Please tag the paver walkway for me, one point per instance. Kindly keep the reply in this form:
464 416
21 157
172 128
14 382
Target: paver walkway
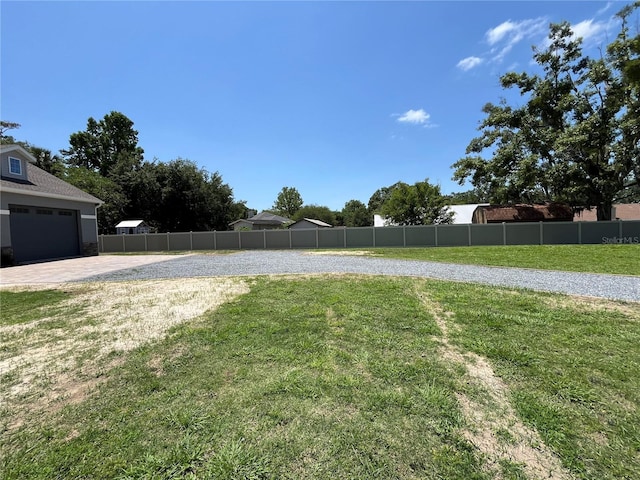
74 269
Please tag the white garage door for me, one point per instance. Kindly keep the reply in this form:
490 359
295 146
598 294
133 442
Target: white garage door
43 233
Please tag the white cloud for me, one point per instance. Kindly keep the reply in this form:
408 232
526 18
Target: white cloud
416 117
469 63
506 35
590 30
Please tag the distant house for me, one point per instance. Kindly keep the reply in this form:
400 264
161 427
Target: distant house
130 227
620 211
261 221
308 223
463 214
41 216
550 212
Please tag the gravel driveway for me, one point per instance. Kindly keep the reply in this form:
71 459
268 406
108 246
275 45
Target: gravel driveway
260 262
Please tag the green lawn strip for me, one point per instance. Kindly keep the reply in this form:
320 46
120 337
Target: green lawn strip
25 306
340 377
571 365
614 259
317 378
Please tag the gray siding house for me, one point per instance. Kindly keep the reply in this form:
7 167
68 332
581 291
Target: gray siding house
41 216
262 221
306 223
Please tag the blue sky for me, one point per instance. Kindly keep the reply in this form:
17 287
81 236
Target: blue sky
336 99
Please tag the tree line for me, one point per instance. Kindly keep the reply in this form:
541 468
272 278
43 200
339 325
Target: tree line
573 138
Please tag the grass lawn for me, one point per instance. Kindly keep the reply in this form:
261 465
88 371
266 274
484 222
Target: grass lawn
616 259
332 376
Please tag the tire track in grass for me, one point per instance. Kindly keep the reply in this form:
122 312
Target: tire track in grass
494 426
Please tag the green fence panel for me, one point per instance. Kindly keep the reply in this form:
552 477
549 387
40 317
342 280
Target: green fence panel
453 235
252 239
203 241
331 237
179 241
278 239
157 242
389 236
423 236
112 243
303 238
360 237
134 243
597 232
490 234
630 232
522 233
227 241
560 233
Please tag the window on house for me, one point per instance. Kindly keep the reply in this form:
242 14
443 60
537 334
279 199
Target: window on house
15 166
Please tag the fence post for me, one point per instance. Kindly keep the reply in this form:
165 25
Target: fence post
579 233
404 235
436 234
264 239
541 233
124 247
469 232
317 241
374 237
215 245
344 237
620 228
168 242
504 233
146 243
239 240
191 240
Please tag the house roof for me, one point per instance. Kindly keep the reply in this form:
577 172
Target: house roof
129 223
464 213
264 218
18 148
527 213
318 223
43 184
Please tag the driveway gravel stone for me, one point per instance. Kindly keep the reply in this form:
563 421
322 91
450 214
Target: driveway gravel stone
265 262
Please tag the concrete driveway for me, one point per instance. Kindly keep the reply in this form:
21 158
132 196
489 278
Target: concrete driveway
74 269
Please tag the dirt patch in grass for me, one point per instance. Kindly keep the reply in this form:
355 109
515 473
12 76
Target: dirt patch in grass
60 359
630 310
494 427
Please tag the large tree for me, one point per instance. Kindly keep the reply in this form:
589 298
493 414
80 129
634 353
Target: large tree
576 137
315 212
418 204
109 146
288 202
356 214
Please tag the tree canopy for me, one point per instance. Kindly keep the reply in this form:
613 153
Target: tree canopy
356 214
315 212
418 204
288 202
576 137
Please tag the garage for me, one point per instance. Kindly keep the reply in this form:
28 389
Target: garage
43 233
42 217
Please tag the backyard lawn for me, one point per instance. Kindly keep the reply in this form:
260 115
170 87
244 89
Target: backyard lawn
327 376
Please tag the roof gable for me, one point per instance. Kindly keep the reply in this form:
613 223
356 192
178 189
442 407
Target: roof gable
43 184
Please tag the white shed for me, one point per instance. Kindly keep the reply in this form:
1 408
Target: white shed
131 227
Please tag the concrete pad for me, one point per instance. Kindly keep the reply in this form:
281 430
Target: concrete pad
74 269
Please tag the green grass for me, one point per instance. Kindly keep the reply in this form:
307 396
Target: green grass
615 259
23 307
344 377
